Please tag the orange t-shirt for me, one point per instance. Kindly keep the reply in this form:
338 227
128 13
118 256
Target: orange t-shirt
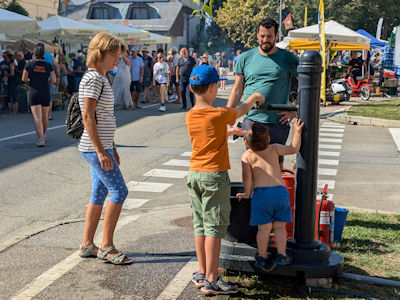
207 132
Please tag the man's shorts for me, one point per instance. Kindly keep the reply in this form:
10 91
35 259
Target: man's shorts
136 86
270 204
223 72
211 207
278 133
147 81
173 81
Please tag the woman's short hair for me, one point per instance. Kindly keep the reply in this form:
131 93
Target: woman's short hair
102 44
39 52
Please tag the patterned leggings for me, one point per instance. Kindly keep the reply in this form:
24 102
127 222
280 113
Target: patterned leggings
103 181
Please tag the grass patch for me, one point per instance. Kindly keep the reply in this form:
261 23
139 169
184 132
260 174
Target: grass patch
370 246
387 109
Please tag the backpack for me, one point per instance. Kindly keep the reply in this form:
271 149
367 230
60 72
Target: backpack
74 122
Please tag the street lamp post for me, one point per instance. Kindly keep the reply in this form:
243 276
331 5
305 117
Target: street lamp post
280 20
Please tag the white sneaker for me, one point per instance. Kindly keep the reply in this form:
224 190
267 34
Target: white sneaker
162 108
172 97
176 97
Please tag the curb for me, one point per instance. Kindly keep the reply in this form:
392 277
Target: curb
366 121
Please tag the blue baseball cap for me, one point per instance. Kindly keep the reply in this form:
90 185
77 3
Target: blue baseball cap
204 74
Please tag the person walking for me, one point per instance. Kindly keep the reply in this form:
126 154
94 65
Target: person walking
183 70
97 147
147 73
223 67
267 70
12 82
37 72
175 82
161 78
137 70
121 83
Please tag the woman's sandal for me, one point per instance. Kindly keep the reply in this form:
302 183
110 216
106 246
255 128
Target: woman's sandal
117 259
197 277
87 251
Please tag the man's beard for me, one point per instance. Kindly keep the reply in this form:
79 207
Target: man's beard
266 47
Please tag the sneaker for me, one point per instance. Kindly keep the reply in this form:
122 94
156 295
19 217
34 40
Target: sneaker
266 264
176 97
41 142
283 260
171 97
219 287
162 108
197 277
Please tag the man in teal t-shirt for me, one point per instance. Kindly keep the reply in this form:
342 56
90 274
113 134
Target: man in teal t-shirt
267 70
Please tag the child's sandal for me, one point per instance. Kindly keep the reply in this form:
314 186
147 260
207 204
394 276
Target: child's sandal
283 260
198 279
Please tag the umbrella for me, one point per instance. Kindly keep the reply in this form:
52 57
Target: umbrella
15 24
66 29
155 39
122 31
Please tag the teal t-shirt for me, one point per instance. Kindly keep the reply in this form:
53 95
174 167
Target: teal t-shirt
268 75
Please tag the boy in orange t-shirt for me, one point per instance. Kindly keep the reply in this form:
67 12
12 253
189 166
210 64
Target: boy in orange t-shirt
208 181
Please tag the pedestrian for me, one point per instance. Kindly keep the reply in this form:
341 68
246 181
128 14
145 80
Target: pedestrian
223 67
185 66
37 73
161 78
204 60
49 59
196 57
147 73
122 82
12 82
267 70
137 70
238 52
208 181
97 147
270 204
174 82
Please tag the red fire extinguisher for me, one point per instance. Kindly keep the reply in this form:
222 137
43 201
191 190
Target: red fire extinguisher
325 219
289 179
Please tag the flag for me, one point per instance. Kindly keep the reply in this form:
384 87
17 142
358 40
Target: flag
305 16
288 22
321 27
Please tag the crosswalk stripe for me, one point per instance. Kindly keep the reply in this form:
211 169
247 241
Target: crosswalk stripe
132 203
177 163
321 183
145 186
178 284
326 140
329 134
330 162
328 146
395 132
328 153
187 153
328 172
166 173
332 125
331 129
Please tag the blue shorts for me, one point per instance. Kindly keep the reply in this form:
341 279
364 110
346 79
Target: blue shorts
270 204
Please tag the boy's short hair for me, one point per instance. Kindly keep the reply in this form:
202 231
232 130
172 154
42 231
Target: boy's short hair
102 44
201 89
257 136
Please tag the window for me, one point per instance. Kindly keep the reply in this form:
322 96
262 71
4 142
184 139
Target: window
102 12
141 11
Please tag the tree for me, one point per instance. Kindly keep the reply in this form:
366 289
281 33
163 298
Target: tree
14 6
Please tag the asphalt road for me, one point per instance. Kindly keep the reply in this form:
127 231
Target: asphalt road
45 192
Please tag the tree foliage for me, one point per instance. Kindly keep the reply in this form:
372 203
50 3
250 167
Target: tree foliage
14 6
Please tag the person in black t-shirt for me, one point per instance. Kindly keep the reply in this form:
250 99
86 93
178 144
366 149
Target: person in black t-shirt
356 65
37 72
185 66
12 83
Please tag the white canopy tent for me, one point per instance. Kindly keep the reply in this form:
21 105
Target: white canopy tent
122 31
66 29
15 24
334 33
155 39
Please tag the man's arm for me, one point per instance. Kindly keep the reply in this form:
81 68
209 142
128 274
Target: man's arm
237 91
177 73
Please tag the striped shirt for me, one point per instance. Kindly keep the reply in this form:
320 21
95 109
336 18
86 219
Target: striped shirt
94 85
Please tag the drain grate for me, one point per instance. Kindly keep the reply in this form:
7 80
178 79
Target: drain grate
183 222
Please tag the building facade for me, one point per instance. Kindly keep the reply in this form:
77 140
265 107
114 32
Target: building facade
40 9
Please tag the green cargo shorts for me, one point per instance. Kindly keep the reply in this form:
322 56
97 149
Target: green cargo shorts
211 206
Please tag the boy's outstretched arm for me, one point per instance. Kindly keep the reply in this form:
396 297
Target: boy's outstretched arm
247 178
249 103
294 147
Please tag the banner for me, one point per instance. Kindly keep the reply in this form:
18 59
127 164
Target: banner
288 22
322 50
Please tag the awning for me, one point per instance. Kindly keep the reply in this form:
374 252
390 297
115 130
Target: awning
15 24
155 39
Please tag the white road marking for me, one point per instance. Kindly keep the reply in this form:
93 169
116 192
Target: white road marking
329 134
330 162
177 163
166 173
47 278
396 136
326 140
145 186
321 183
330 197
132 203
328 172
328 146
328 124
178 284
331 129
28 133
231 141
328 153
187 153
